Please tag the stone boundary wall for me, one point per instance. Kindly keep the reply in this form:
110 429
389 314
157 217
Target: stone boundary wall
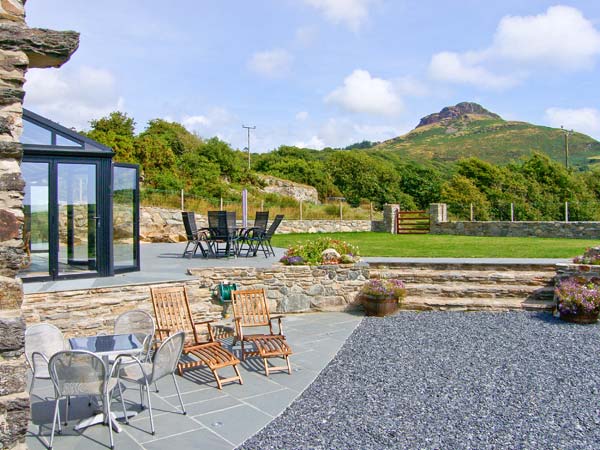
575 230
166 225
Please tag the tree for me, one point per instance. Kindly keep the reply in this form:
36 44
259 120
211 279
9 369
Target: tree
117 132
459 193
174 135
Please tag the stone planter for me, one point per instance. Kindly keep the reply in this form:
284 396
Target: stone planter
378 306
581 318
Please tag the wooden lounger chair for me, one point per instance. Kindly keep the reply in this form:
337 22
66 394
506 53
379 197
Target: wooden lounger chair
173 314
250 309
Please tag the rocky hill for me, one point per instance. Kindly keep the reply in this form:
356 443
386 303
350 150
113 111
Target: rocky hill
468 129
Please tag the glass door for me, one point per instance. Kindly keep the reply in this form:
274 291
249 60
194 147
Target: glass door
36 230
78 219
125 218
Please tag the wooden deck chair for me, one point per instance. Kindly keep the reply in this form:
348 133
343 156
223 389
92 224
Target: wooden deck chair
173 314
250 309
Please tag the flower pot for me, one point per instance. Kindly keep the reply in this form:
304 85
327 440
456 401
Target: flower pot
583 318
379 306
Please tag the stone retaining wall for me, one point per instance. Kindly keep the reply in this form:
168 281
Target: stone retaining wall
166 225
576 230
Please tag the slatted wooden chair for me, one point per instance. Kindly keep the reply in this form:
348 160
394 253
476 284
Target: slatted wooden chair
250 309
173 314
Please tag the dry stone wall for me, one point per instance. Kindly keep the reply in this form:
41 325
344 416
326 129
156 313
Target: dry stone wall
166 225
573 230
20 47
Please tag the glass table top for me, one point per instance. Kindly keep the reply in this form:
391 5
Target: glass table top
121 343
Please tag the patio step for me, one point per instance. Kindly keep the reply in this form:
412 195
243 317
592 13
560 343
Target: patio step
470 286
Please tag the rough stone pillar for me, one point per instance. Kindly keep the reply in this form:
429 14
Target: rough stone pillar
438 213
20 47
389 217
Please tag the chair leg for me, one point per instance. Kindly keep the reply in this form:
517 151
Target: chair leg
141 397
178 394
243 353
216 375
266 366
67 410
55 418
237 372
32 382
287 359
155 387
123 402
147 389
109 418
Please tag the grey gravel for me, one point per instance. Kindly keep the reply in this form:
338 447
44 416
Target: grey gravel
450 380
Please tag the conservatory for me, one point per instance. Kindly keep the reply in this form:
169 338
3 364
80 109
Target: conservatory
81 209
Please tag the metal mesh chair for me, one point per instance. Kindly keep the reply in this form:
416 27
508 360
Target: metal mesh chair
251 235
194 236
164 362
141 324
264 239
80 373
42 340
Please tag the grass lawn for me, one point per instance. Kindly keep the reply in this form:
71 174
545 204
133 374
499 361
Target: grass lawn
429 245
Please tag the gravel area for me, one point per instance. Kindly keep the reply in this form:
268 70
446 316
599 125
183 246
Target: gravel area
450 380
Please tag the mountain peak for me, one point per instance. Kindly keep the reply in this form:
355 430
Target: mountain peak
455 112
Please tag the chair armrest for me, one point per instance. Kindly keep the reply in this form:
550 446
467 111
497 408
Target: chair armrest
163 330
278 318
116 366
37 355
203 322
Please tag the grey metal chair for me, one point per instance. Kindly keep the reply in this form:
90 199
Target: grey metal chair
141 324
42 341
81 373
249 236
164 362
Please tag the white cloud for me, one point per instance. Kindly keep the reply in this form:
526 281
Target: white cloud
362 93
302 116
271 63
560 37
306 36
351 13
411 86
314 142
72 97
215 122
584 120
456 68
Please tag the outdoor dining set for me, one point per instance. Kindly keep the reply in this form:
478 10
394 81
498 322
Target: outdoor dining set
223 237
143 350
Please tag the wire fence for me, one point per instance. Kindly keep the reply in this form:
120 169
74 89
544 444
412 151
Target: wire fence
290 208
526 211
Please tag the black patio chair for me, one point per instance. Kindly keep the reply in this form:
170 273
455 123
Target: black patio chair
249 236
222 228
194 236
264 240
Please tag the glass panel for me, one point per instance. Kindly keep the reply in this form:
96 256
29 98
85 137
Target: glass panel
62 141
77 217
124 213
36 226
34 134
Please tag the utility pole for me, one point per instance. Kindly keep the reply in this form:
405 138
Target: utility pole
249 128
567 133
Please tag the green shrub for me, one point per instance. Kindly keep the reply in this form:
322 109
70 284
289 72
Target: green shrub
311 252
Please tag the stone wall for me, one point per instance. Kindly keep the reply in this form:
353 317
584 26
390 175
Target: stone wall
92 311
166 225
295 288
20 47
577 230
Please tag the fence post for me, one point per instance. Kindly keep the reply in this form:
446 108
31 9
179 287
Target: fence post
182 201
471 212
371 211
566 211
341 214
300 209
512 212
221 207
262 205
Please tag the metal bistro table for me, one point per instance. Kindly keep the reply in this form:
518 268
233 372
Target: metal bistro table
106 346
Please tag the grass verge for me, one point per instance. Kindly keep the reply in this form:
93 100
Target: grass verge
445 246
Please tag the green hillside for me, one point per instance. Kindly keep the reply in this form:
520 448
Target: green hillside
488 137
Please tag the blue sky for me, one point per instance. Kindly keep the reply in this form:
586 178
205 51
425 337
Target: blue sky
320 72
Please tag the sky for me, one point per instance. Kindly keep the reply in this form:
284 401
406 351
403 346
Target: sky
319 73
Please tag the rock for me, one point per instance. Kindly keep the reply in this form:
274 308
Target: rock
450 113
12 334
330 255
300 192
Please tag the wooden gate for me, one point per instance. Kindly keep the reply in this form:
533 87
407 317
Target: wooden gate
412 222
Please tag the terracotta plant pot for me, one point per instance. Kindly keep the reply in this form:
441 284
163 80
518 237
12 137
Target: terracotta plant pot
378 306
583 318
